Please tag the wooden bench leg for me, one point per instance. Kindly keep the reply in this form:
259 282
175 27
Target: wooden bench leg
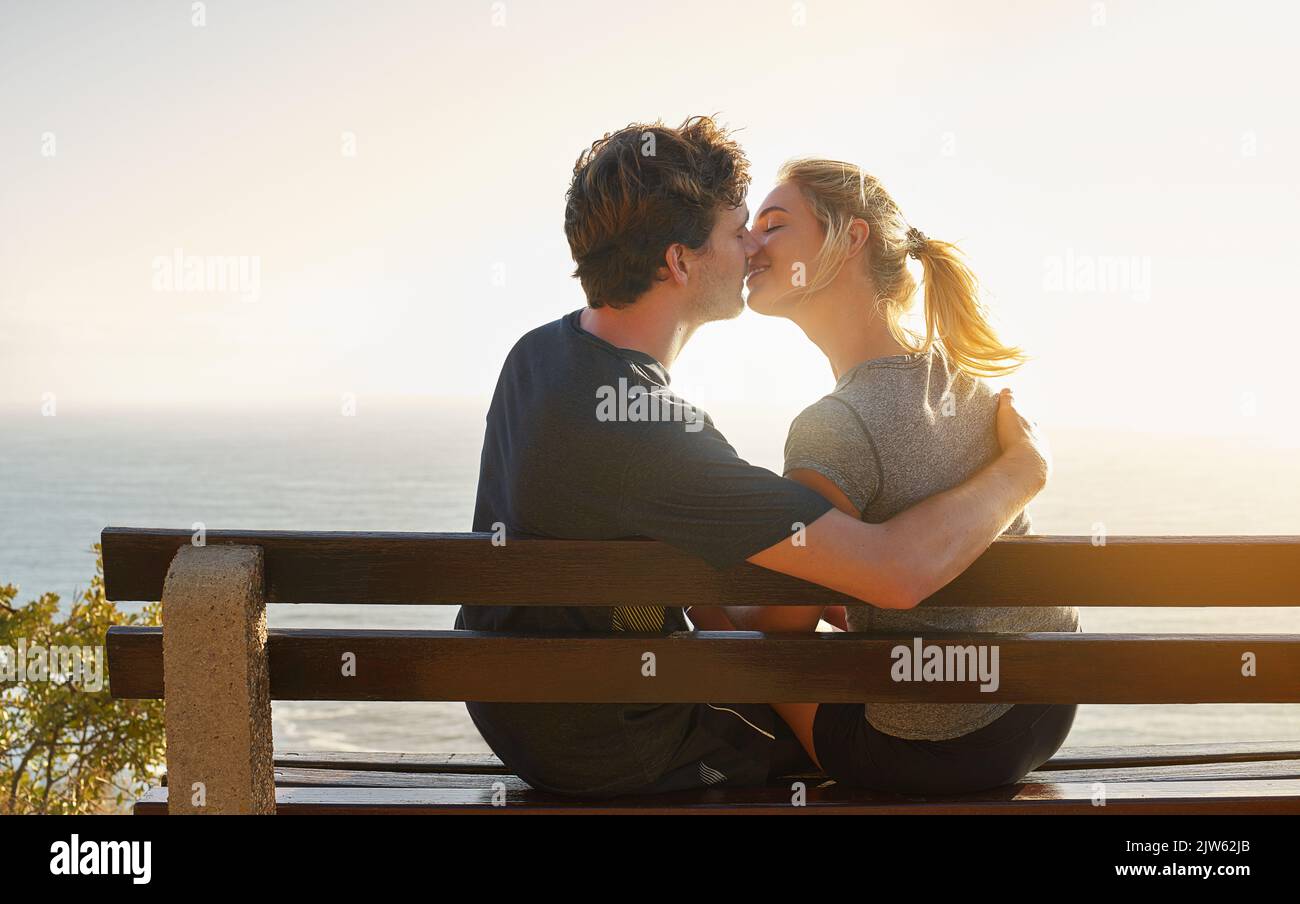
216 682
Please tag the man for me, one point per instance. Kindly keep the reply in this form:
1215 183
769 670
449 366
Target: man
656 222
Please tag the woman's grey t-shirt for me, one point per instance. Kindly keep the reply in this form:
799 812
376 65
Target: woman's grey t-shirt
895 431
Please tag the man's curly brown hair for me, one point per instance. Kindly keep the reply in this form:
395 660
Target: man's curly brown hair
640 189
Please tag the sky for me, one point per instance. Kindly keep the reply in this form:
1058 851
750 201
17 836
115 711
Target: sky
393 175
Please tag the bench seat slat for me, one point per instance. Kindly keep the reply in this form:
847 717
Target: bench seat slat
1066 758
1173 754
291 777
1200 797
450 763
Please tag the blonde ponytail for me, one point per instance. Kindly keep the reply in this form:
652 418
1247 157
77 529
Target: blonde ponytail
955 318
956 322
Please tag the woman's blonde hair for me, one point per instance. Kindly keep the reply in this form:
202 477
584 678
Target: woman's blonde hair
955 318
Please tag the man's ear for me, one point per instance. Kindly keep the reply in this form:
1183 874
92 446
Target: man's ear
859 232
675 266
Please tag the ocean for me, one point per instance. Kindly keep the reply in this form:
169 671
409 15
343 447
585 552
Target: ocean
412 465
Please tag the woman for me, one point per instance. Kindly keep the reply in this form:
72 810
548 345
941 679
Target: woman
908 417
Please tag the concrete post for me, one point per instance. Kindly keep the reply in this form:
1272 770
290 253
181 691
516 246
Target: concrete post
217 686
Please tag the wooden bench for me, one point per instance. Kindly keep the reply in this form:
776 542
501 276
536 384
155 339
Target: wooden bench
222 666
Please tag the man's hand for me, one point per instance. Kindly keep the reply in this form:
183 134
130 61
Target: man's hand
1020 439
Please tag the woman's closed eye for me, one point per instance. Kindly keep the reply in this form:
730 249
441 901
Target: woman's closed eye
770 228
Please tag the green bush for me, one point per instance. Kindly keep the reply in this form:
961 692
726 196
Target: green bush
69 748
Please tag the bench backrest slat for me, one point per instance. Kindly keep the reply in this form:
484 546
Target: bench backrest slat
305 664
417 568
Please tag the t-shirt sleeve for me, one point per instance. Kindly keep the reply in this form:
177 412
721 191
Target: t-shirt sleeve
693 491
829 438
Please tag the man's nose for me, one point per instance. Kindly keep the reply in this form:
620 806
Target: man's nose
751 244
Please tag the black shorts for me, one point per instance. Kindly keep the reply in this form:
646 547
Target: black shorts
733 744
854 753
610 750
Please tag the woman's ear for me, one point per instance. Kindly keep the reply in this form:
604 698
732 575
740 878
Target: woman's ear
859 232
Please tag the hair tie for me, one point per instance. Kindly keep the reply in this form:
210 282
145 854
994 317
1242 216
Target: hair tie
916 240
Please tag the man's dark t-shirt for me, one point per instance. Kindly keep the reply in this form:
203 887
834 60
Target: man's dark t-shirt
574 450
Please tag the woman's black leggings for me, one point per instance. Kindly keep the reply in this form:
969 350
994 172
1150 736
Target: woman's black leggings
1000 753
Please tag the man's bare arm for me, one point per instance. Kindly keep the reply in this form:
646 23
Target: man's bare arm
897 564
798 619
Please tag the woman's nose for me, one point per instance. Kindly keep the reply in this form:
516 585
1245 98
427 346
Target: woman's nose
751 244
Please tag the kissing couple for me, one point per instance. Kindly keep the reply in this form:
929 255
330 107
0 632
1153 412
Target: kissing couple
900 476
